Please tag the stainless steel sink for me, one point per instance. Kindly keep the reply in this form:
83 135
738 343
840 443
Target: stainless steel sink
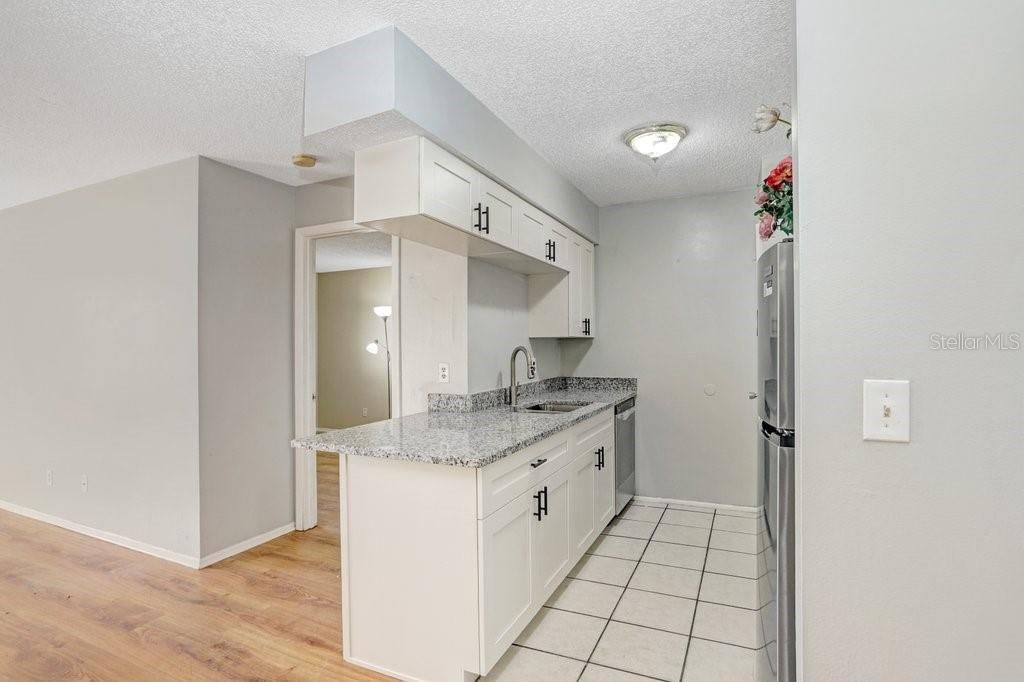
552 406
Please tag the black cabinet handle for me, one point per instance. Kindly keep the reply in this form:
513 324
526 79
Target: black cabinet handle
478 209
554 251
550 250
586 326
486 214
600 457
538 462
542 503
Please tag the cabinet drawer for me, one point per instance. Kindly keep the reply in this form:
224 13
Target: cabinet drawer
594 433
501 482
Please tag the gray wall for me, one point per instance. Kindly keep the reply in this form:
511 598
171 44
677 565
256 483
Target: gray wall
676 307
246 331
350 379
909 167
98 357
498 323
323 202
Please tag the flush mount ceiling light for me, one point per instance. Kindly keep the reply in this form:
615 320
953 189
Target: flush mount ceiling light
304 160
655 141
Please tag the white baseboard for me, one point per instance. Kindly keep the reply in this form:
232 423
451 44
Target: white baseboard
113 538
690 503
242 546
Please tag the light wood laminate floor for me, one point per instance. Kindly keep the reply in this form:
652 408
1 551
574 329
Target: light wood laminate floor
72 607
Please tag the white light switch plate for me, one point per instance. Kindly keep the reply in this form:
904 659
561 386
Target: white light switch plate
887 410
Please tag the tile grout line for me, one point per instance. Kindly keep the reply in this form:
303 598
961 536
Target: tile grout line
696 606
609 619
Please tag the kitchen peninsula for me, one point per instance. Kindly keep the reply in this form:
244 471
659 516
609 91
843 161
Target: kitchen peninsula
457 524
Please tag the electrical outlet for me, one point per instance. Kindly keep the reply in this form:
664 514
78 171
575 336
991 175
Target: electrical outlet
443 374
85 484
49 478
366 412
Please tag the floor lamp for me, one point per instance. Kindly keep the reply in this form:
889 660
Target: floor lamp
383 312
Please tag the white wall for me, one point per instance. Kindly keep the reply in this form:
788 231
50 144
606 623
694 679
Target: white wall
98 358
910 158
434 303
246 333
350 379
676 309
498 322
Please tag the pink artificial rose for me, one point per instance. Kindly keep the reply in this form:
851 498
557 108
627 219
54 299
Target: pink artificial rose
781 174
760 198
766 227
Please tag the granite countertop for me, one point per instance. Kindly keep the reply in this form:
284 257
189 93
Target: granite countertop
466 439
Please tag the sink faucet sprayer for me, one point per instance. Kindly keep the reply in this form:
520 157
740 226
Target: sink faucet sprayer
531 372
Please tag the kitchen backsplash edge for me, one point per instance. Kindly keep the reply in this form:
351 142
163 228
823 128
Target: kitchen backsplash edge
471 402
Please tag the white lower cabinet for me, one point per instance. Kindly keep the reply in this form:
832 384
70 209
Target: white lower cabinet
529 545
454 562
582 494
506 580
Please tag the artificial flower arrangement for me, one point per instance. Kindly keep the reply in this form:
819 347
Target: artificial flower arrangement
775 201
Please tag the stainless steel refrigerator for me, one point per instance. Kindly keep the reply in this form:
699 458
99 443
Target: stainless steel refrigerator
777 437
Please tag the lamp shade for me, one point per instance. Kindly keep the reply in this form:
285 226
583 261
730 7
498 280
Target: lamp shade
373 347
382 310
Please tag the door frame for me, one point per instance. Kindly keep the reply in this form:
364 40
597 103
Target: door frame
306 354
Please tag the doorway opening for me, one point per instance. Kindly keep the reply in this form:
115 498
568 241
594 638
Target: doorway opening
347 356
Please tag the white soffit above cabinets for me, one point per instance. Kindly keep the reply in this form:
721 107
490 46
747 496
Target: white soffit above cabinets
94 89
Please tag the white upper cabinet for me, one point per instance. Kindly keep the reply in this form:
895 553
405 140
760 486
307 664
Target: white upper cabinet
496 211
560 235
416 190
583 275
449 188
564 307
533 233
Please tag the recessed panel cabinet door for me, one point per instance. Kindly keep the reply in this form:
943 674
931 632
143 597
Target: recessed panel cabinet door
560 249
588 298
506 590
498 207
606 481
582 491
532 231
576 286
448 187
551 556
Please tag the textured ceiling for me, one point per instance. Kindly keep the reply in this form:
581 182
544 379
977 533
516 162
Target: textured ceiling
93 89
353 252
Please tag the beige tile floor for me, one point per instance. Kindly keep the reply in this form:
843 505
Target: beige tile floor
667 592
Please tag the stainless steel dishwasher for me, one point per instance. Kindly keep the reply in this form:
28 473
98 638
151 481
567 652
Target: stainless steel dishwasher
625 453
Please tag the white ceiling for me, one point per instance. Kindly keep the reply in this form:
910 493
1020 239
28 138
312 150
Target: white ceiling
93 89
356 251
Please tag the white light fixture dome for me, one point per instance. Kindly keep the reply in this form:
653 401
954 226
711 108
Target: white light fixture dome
655 141
382 311
373 347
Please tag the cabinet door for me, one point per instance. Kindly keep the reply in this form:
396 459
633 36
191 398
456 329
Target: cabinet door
605 480
498 207
532 231
560 235
588 299
448 187
506 575
576 286
582 491
551 556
